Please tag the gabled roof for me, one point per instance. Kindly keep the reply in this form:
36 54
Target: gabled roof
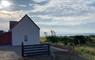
26 16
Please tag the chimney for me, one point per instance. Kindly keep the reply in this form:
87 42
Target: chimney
12 24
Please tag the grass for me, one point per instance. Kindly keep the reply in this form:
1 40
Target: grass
86 51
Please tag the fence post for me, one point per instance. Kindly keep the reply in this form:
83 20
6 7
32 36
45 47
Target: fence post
22 49
48 49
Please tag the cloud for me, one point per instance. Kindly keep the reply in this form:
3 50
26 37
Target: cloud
26 5
68 15
67 12
66 7
7 15
22 5
39 1
38 8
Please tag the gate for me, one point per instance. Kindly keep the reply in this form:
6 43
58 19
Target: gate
37 49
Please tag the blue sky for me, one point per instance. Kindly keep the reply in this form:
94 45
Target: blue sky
62 16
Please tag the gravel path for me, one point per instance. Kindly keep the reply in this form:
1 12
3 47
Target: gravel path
8 55
16 49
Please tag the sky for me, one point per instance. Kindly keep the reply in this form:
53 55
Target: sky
62 16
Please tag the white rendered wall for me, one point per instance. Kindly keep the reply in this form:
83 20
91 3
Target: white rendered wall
25 27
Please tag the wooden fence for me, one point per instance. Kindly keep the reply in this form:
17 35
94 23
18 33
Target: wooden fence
37 49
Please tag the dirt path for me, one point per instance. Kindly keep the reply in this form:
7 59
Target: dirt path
8 55
64 54
58 49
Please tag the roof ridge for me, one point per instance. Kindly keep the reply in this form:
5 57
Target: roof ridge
29 19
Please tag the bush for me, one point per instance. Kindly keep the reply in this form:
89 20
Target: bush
52 39
73 40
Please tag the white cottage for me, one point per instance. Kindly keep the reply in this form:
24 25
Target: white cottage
25 31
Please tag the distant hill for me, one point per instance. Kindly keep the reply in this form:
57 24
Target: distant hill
73 34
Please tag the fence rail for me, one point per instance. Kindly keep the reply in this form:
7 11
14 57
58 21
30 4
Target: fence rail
37 49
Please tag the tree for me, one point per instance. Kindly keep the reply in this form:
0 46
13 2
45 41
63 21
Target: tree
52 39
53 33
79 40
65 40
